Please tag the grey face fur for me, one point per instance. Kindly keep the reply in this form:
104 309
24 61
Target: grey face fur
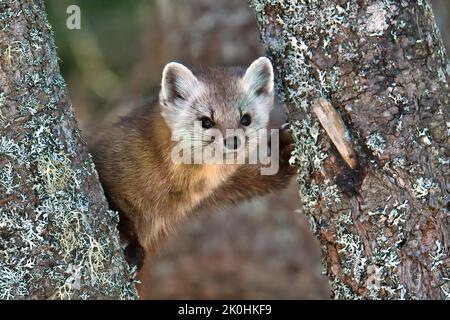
221 94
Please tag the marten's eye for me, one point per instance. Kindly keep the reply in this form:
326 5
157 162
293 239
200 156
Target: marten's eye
207 123
246 120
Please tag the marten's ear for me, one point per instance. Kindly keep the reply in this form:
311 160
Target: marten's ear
258 78
178 82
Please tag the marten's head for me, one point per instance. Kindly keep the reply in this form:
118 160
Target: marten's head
213 100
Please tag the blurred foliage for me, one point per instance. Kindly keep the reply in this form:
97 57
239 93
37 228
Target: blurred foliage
111 24
98 57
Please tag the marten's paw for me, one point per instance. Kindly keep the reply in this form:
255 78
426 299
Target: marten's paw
287 145
134 254
285 136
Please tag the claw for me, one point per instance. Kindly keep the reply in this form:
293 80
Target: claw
287 151
134 254
285 126
285 135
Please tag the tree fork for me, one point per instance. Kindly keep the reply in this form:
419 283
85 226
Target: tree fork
382 218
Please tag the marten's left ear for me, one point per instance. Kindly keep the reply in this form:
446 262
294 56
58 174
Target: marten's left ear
178 83
259 77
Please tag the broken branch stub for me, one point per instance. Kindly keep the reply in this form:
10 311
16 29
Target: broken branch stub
335 128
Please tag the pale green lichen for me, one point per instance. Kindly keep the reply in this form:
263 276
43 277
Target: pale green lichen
443 161
351 248
331 193
422 187
346 218
376 143
445 292
7 178
424 136
377 16
307 155
55 172
399 162
13 281
51 232
352 255
13 150
342 291
300 37
439 257
386 257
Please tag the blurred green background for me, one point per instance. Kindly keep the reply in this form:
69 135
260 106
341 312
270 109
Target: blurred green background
96 60
261 249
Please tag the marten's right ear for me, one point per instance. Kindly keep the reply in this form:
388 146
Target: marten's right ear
178 83
258 77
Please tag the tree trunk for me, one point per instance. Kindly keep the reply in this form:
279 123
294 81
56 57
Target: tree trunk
57 237
366 84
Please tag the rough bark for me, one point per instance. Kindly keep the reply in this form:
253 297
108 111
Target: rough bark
57 237
383 226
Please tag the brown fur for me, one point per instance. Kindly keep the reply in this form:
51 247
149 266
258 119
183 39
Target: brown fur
152 194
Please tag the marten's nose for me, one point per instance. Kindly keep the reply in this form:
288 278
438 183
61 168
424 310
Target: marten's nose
232 143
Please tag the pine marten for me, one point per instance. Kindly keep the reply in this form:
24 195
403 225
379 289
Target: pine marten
133 157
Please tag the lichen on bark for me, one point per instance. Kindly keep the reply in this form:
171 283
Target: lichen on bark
383 226
58 239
